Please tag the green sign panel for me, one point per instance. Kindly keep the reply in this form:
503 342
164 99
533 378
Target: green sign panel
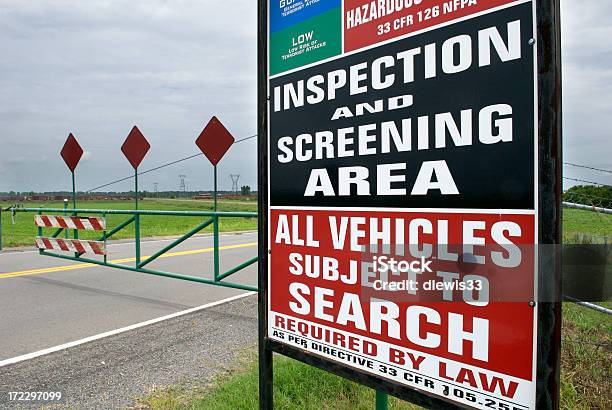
310 41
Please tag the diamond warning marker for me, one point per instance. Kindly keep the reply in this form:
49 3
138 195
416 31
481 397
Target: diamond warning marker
71 152
214 141
135 147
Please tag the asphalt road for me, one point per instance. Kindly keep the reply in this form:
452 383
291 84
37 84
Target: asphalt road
117 371
45 302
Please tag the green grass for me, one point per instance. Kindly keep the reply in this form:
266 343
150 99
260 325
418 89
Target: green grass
296 386
586 358
579 222
23 231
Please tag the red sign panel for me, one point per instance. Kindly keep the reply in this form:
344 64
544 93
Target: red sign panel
135 147
215 140
458 337
368 22
71 152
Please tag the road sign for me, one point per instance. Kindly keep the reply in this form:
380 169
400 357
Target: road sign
215 140
430 139
71 152
135 147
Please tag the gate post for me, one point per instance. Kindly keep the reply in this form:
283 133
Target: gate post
65 214
550 203
71 153
136 219
135 148
75 232
0 228
215 189
265 354
216 244
382 401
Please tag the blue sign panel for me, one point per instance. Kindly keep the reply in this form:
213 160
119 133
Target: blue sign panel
285 13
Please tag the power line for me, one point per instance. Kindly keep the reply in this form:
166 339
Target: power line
587 167
244 139
586 182
160 167
255 135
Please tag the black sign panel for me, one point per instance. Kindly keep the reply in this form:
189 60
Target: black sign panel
482 99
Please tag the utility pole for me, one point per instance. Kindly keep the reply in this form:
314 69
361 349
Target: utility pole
182 186
156 189
235 179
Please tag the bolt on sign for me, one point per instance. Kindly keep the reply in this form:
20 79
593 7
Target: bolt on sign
412 157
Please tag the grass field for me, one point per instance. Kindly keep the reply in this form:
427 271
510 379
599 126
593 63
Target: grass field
296 386
23 231
579 222
575 222
586 358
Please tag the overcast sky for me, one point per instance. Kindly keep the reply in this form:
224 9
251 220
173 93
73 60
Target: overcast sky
96 68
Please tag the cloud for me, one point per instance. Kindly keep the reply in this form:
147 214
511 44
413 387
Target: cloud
587 85
97 67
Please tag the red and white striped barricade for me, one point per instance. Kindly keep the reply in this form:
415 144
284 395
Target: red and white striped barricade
71 222
71 245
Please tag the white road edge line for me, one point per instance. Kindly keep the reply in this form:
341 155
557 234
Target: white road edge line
65 346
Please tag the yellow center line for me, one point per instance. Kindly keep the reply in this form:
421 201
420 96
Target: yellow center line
124 260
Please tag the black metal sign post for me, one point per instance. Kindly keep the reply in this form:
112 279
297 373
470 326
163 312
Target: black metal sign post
265 352
548 188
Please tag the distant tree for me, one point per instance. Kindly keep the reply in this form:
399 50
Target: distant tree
590 195
245 190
